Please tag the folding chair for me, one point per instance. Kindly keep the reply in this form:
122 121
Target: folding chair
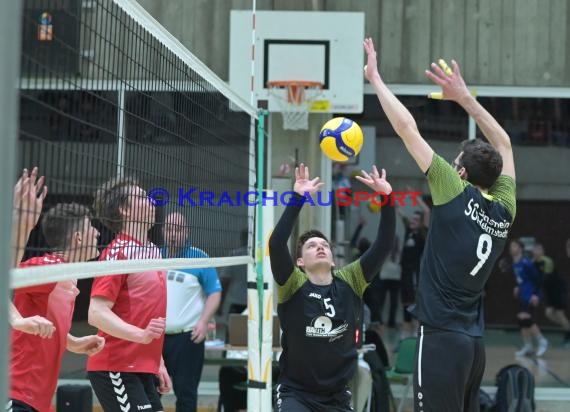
403 370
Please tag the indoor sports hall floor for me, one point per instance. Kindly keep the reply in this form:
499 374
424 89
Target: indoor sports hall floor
552 371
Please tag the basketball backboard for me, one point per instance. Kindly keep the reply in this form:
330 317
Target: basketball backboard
324 47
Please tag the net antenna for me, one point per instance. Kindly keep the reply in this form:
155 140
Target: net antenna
294 98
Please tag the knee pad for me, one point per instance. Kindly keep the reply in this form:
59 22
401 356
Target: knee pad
525 323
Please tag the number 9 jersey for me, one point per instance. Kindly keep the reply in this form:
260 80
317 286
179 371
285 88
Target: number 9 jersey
468 232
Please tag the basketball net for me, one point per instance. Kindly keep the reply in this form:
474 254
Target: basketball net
295 101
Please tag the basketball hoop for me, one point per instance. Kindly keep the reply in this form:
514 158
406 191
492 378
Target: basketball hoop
294 98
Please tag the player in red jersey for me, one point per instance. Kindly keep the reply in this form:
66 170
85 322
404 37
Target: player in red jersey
129 309
68 231
29 195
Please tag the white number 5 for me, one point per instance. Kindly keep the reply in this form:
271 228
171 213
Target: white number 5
483 251
330 312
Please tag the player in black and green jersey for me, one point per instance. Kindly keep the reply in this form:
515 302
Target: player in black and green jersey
319 307
474 208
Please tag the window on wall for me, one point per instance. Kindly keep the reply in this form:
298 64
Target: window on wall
59 115
532 121
436 119
527 120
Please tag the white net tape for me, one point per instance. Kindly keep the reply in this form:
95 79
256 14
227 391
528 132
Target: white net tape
38 275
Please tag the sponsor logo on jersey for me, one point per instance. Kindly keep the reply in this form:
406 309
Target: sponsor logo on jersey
314 295
322 327
495 228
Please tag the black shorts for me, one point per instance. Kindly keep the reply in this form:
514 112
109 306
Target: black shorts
526 307
448 371
409 286
554 291
121 391
18 406
288 399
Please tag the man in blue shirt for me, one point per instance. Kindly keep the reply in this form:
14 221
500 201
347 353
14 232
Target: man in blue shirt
193 297
528 293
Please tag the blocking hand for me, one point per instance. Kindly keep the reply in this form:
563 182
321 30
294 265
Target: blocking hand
450 80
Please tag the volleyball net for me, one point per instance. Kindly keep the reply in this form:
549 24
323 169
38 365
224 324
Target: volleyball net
106 92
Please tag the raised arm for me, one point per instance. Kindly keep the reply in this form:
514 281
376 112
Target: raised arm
454 88
372 260
29 195
400 118
279 256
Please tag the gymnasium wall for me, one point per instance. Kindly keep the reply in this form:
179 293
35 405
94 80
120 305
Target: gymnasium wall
498 42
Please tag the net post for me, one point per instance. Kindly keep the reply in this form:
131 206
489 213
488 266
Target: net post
10 30
262 114
255 305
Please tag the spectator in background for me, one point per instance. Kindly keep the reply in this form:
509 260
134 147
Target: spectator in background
390 279
194 296
371 295
416 227
341 181
554 287
527 292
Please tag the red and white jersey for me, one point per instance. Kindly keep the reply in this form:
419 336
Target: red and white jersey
137 298
35 362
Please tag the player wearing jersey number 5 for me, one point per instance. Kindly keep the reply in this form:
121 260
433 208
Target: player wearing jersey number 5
318 307
474 207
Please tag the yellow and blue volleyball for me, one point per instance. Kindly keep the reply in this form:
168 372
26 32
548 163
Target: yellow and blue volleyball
341 139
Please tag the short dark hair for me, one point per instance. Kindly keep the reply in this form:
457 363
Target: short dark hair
482 162
518 242
306 236
109 198
61 221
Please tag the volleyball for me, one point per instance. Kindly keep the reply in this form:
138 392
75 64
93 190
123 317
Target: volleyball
341 139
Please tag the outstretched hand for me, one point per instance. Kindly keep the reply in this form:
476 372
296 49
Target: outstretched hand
371 69
375 181
452 84
303 183
29 195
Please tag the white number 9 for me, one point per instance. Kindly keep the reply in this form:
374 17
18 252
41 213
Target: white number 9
483 251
